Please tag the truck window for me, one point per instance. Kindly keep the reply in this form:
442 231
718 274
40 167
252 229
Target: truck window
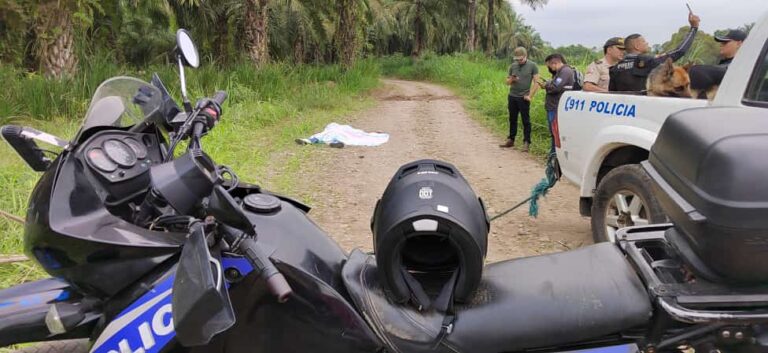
758 88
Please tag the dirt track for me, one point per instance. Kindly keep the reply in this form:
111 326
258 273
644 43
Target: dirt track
428 121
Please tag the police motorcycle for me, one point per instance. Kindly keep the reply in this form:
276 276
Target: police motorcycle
150 250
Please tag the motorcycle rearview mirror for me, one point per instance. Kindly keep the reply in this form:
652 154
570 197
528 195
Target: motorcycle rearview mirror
225 209
186 54
200 306
187 49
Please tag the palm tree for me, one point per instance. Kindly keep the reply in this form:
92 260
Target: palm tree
380 29
346 30
215 28
255 24
489 26
300 29
426 21
55 23
13 18
143 30
491 19
472 13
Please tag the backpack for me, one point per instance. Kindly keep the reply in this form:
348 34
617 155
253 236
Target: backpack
578 79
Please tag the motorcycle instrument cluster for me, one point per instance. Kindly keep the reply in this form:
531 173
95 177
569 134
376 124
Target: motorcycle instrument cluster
120 161
120 153
99 159
119 156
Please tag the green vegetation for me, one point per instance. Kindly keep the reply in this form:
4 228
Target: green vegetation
267 109
480 81
56 38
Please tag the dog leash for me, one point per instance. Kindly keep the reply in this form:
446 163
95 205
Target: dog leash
552 175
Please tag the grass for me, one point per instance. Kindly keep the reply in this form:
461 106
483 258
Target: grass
267 109
480 81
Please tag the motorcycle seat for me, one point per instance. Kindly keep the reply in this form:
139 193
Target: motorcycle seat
533 302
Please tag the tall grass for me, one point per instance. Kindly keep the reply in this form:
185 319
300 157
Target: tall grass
266 110
480 81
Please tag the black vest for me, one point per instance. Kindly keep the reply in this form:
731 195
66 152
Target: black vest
630 74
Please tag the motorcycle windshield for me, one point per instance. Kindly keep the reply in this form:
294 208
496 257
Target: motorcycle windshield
121 102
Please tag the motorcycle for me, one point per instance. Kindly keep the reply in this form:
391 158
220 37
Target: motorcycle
151 250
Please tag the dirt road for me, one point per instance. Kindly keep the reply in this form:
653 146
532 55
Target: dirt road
428 121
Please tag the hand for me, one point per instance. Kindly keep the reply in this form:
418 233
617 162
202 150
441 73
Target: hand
527 97
693 20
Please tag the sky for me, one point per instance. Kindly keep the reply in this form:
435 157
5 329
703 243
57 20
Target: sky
592 22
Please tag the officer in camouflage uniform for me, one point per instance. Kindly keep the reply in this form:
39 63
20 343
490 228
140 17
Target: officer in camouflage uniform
630 74
597 77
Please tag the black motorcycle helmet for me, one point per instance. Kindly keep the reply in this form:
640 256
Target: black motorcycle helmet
430 231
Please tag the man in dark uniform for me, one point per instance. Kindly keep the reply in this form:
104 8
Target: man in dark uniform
730 44
630 74
706 79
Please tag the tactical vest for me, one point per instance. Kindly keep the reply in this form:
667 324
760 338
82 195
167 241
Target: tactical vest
631 73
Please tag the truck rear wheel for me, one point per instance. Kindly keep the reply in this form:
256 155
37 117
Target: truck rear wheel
624 199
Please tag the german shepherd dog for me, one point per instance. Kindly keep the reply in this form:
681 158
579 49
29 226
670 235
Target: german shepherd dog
668 80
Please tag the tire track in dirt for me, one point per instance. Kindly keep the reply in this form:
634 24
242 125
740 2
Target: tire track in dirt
428 121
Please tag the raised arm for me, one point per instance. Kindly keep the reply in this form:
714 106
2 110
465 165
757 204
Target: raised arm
681 49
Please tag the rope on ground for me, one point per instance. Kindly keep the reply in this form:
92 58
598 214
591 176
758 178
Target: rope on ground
9 259
541 189
12 217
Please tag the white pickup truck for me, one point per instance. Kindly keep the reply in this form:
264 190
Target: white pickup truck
603 138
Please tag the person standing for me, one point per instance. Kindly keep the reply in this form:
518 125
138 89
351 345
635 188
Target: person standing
562 80
631 73
598 76
522 76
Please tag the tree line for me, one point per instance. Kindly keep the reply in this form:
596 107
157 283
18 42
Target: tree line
51 36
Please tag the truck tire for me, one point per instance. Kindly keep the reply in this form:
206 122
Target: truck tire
623 199
68 346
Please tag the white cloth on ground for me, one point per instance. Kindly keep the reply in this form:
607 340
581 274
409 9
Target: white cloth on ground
348 135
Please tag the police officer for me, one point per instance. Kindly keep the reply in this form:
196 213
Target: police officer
597 77
730 44
706 79
630 74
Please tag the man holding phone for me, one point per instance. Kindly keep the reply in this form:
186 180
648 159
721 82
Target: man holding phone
522 77
630 74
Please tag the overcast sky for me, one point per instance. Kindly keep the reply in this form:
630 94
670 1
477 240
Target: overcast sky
592 22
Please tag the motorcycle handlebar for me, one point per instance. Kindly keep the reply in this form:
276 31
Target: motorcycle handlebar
276 283
26 148
220 97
